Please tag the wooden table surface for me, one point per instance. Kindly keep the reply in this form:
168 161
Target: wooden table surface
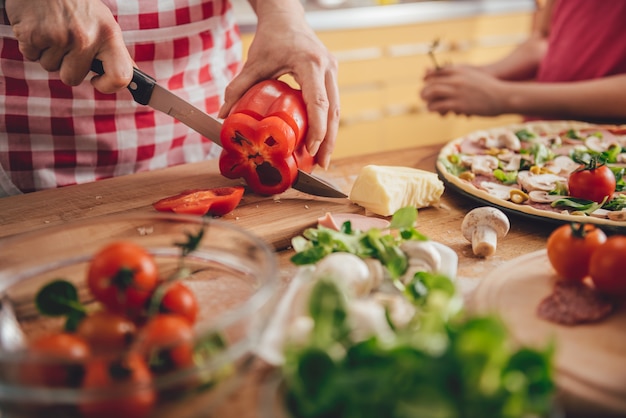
275 219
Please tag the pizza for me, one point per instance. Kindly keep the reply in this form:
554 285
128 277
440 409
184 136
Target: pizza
526 167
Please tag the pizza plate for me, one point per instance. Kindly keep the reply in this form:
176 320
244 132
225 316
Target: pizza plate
467 189
590 362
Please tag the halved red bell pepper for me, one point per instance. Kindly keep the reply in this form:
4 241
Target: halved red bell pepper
263 138
217 201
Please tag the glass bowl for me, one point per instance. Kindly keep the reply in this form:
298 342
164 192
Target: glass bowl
232 273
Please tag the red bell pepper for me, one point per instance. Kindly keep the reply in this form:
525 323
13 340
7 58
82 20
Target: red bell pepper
263 138
218 201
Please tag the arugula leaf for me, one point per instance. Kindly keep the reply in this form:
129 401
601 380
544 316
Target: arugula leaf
579 205
317 243
475 372
525 135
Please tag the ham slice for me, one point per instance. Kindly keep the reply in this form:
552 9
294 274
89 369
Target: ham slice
358 222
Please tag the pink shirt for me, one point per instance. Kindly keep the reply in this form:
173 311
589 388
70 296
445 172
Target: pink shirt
52 135
587 40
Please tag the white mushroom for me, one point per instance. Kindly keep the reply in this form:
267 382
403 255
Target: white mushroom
505 139
349 271
483 227
497 190
484 164
546 182
540 196
562 165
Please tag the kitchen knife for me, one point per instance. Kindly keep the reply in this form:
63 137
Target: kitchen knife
146 91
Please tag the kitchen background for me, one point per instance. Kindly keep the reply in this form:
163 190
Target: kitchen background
382 48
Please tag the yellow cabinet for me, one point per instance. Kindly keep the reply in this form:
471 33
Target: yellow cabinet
380 76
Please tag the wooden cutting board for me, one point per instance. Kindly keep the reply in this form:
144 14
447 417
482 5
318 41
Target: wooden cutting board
276 219
590 359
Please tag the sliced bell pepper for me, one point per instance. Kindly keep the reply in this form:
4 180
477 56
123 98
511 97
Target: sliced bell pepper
263 138
217 201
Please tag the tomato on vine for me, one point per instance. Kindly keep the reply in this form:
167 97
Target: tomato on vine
107 332
167 341
593 180
570 248
179 299
122 276
608 266
57 360
136 401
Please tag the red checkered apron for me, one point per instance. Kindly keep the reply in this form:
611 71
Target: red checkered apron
52 135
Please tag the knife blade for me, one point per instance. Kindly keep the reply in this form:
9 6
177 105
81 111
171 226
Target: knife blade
146 91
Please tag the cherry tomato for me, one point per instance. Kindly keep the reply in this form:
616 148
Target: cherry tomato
104 375
570 248
595 184
607 267
167 341
122 277
217 201
57 360
107 332
179 299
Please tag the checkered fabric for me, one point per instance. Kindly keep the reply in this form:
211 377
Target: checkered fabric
53 135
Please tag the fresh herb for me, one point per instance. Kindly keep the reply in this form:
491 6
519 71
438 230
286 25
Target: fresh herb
616 204
541 154
437 366
186 248
60 298
316 243
453 164
525 135
578 205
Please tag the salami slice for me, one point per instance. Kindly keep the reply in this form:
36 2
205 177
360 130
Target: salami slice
573 303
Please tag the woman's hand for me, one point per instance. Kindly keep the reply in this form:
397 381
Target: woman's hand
463 90
283 44
66 35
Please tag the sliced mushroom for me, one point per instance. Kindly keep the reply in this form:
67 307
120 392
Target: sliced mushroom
483 227
484 164
513 163
545 182
540 196
562 165
497 190
401 311
422 255
600 213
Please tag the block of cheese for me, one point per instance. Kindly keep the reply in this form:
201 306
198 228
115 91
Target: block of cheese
385 189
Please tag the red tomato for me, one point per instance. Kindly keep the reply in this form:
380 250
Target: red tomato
57 360
217 201
132 402
107 332
570 248
179 299
122 277
595 184
608 266
167 341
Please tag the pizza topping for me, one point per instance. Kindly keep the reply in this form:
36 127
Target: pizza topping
483 227
500 191
541 196
481 164
545 181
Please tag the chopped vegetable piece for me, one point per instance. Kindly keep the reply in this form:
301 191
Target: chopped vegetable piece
218 201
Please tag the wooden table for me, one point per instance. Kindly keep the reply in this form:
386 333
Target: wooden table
275 219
